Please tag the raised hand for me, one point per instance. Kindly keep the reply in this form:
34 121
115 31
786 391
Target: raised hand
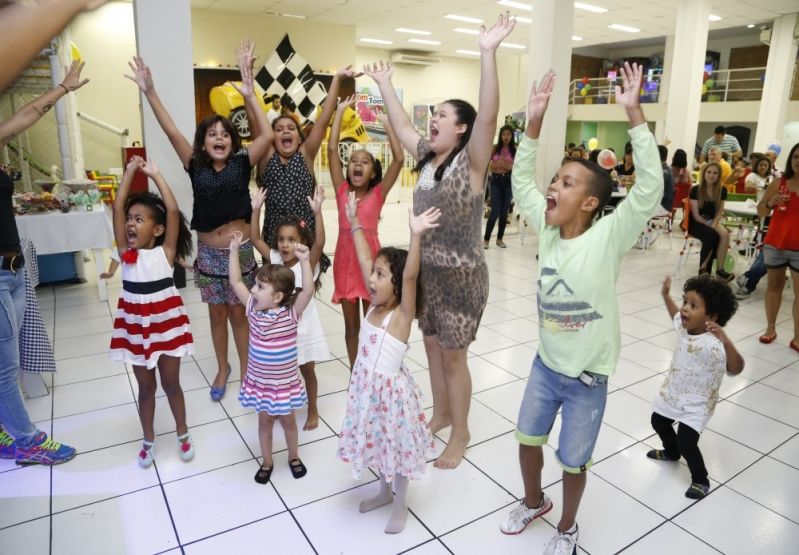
148 168
345 103
716 330
72 80
539 97
380 115
347 71
235 240
257 198
424 221
134 164
630 97
489 40
245 54
317 200
379 71
141 75
666 287
352 208
301 252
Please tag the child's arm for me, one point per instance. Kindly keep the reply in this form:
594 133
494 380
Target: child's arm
172 230
120 235
260 245
112 269
381 74
314 140
671 306
735 362
319 237
144 79
529 198
234 270
261 131
485 124
333 160
418 224
362 249
397 157
304 297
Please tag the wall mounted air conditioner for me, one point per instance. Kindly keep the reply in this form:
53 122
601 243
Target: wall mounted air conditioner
413 58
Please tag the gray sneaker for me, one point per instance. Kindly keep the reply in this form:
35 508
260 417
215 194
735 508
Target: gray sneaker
522 515
742 293
740 281
564 543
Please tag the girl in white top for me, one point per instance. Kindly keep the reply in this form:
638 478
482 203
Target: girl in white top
311 343
757 181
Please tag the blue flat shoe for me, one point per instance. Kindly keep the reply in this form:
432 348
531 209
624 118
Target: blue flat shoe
218 392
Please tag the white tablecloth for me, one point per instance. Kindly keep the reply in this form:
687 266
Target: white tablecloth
56 232
740 207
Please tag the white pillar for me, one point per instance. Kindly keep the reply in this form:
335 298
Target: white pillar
777 86
163 39
685 78
550 47
663 93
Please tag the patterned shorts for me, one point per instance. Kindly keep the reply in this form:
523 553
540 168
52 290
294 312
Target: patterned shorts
211 273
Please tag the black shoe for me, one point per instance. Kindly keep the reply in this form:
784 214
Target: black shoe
263 474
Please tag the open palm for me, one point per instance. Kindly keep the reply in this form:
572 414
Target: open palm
141 74
489 40
539 97
424 221
379 71
630 95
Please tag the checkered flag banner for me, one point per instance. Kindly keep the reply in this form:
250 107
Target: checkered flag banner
286 72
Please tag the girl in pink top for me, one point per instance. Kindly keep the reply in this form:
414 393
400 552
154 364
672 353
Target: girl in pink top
365 178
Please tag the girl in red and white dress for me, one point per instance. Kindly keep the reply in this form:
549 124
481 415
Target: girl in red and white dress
151 327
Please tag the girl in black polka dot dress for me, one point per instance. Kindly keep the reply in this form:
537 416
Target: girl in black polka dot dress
219 169
286 172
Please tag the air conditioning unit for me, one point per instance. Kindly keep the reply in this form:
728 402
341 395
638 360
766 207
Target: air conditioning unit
765 35
413 58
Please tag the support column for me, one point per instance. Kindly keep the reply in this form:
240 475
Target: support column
163 39
663 92
777 86
550 47
684 96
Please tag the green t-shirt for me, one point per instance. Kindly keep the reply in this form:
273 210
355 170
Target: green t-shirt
578 312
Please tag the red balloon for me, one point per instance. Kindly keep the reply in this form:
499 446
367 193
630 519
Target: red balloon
585 80
705 77
606 159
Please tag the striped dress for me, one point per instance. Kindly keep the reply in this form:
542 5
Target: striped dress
150 320
272 383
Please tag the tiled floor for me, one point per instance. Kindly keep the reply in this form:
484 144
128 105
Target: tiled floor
102 502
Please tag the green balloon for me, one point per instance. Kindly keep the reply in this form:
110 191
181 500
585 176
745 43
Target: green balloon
709 83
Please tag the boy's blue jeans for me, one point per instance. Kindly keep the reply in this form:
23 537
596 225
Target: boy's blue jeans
755 272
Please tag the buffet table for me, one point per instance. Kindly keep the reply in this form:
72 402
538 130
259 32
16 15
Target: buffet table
78 230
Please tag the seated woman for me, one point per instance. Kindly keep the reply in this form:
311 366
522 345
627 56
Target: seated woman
757 181
707 208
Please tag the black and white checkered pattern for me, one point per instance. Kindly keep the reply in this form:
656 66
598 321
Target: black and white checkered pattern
286 72
35 351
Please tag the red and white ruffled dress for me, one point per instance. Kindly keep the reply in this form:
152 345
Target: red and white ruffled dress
150 320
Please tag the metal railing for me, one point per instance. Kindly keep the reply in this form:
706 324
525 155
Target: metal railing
599 90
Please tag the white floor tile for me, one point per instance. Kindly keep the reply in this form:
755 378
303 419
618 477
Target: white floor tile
749 428
520 330
433 547
284 536
332 376
628 372
788 452
780 406
332 408
99 428
505 399
81 346
79 369
483 424
488 341
517 360
772 484
91 395
33 535
629 414
199 410
25 494
609 442
486 375
669 539
724 458
786 380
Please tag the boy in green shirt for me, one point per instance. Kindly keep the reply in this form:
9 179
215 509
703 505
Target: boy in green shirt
579 262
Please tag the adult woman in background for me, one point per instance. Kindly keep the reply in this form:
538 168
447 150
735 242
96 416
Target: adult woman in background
501 165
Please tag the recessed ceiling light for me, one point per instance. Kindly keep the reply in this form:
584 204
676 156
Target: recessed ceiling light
464 18
750 26
412 31
292 15
513 45
624 28
425 41
517 5
712 17
468 52
522 19
589 7
377 41
576 37
466 31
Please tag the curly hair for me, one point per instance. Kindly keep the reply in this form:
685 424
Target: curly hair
718 296
198 150
157 208
281 279
305 234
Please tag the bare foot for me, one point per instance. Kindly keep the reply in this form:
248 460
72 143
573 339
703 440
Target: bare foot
453 453
312 422
396 523
384 497
438 423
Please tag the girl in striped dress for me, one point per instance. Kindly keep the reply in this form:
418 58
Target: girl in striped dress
151 327
272 384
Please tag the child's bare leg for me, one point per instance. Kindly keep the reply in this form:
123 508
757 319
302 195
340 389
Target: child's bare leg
435 361
241 335
312 388
265 424
218 314
147 386
169 368
352 327
399 514
459 394
383 497
289 425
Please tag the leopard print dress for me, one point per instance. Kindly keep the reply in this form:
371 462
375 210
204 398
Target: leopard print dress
454 274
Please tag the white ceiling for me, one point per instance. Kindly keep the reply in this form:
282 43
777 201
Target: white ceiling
379 18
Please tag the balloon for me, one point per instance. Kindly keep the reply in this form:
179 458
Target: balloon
580 85
607 159
593 142
704 90
775 147
709 83
583 91
705 76
587 87
585 80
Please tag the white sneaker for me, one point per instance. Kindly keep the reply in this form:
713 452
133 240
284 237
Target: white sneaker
522 515
742 293
740 281
565 543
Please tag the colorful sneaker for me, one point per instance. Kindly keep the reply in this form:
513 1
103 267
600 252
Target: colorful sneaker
147 454
522 515
185 447
565 543
7 446
43 450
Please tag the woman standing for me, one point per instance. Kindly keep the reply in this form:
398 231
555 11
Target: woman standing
704 220
781 246
500 166
454 278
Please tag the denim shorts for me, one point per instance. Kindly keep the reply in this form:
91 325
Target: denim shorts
582 408
779 258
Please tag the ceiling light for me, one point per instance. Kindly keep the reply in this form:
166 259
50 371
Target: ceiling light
517 5
292 15
712 17
575 37
468 52
750 26
464 18
522 19
412 31
466 31
589 7
624 28
425 41
513 45
377 41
